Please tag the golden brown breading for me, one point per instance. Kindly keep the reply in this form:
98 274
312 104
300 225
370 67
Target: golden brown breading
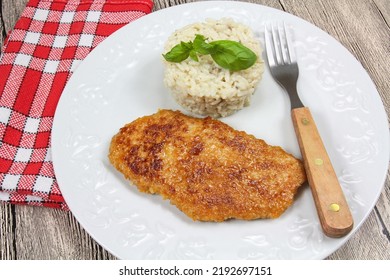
207 169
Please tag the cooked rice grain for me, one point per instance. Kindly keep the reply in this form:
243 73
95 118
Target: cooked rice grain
203 87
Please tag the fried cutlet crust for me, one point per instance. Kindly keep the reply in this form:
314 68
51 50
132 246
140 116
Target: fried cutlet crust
207 169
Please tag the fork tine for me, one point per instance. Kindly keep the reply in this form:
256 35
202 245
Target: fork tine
283 44
290 47
269 47
277 45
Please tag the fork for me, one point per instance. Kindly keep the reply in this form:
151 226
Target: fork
332 208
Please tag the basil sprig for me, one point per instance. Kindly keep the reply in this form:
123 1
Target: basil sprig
228 54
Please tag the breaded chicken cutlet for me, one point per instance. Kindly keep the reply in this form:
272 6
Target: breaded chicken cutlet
207 169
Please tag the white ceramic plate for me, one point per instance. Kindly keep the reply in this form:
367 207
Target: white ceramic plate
122 79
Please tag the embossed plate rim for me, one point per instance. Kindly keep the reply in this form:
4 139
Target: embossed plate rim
90 185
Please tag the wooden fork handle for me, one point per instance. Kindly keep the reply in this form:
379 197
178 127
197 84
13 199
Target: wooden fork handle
333 211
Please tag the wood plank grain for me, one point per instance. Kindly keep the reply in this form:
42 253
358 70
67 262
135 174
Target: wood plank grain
7 238
40 233
383 7
44 233
11 11
2 28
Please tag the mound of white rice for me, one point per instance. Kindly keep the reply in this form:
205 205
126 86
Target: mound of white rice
203 87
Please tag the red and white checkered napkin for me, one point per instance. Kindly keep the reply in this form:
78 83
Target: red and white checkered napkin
48 42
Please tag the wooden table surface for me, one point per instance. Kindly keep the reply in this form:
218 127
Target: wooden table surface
362 26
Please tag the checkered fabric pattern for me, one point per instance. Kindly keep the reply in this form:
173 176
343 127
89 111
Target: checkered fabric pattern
47 43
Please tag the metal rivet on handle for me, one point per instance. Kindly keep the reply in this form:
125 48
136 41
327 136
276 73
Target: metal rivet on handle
318 161
305 121
334 207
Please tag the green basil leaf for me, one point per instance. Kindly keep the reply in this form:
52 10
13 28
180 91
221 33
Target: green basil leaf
186 45
194 56
232 55
227 54
179 52
201 46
